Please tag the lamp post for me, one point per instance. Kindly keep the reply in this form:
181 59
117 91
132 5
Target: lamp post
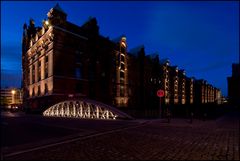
160 93
13 98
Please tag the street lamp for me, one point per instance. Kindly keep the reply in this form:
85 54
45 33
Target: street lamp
13 93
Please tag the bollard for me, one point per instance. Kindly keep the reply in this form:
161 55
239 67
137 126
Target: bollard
191 118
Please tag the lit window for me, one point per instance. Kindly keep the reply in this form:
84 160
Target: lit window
121 91
122 80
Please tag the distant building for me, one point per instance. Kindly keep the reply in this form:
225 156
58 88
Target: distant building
189 90
199 91
234 85
217 96
11 97
174 81
144 78
182 87
165 80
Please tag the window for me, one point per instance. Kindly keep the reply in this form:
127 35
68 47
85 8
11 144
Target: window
79 88
122 58
46 66
33 74
121 81
123 49
46 58
122 66
78 57
33 94
46 89
39 90
46 47
121 91
121 74
78 73
39 70
29 71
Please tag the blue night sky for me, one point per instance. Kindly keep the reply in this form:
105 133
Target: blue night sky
200 37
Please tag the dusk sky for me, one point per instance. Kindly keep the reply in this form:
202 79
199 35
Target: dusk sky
200 37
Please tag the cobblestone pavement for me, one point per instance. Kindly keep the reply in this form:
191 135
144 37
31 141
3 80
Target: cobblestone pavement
155 140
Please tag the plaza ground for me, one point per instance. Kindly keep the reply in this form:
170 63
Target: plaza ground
30 137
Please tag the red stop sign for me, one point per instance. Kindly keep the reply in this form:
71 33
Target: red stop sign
160 93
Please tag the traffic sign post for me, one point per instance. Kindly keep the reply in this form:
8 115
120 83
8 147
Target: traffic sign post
160 93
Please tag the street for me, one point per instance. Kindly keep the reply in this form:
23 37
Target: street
37 138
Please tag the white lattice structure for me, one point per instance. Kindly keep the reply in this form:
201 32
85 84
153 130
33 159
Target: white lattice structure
88 109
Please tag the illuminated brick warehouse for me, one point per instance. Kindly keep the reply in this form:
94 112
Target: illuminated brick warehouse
62 61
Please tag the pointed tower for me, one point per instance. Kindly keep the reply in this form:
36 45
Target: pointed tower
57 16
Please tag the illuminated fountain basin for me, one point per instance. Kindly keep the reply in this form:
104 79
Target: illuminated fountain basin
84 108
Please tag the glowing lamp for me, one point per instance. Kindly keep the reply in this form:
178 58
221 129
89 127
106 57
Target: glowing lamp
13 91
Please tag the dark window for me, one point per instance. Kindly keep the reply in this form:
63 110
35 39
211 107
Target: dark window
123 49
78 73
79 88
33 92
122 58
122 66
121 74
39 70
46 47
46 66
33 74
39 90
28 76
119 58
78 57
46 89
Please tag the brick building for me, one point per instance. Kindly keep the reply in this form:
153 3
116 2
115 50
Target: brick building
234 85
62 61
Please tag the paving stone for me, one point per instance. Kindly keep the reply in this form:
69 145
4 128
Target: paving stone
208 140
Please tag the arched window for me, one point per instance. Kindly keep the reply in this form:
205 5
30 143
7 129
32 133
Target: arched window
123 50
46 66
121 91
121 74
39 90
46 89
